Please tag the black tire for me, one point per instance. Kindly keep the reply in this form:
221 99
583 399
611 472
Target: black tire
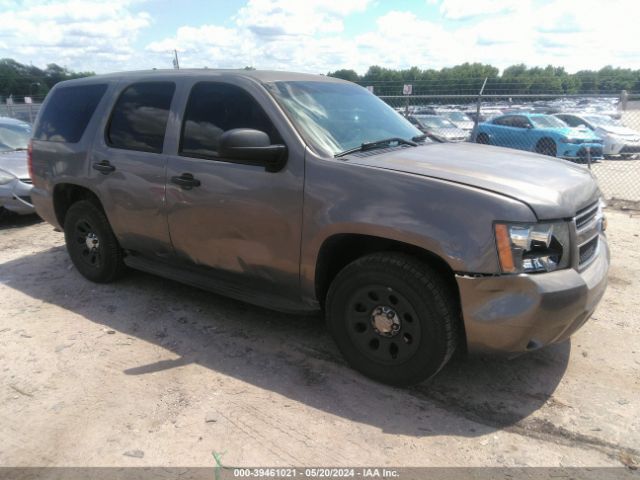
483 138
86 224
366 292
546 146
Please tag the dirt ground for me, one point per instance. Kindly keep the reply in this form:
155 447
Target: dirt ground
148 372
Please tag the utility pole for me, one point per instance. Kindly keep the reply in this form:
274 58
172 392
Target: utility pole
176 65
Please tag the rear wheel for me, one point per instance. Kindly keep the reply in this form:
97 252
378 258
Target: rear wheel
483 138
91 244
546 146
392 318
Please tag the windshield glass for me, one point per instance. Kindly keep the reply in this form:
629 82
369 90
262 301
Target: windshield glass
335 117
547 121
14 136
434 121
458 117
602 120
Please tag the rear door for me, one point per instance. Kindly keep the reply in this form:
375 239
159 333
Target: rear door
128 166
240 221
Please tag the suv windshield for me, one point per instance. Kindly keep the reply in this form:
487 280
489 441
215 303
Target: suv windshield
547 121
14 136
335 117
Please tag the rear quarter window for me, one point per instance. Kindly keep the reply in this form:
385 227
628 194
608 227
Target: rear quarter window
68 112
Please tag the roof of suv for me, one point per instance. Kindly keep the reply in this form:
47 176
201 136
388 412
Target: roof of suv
262 76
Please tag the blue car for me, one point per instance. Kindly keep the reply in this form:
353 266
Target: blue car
540 133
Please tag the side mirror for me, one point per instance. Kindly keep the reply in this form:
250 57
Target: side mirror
252 147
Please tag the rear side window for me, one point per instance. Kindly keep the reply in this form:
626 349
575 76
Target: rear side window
504 121
68 112
214 108
139 117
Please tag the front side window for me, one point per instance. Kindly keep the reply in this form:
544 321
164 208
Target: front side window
214 108
520 122
336 117
139 117
68 112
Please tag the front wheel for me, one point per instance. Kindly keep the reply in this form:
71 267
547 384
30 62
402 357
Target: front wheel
393 318
546 146
92 246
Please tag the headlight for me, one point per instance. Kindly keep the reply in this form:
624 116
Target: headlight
531 248
5 177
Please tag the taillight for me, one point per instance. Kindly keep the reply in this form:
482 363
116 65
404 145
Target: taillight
30 159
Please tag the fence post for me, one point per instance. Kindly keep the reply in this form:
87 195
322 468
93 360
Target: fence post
478 105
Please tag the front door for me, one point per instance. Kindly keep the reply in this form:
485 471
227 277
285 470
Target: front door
233 219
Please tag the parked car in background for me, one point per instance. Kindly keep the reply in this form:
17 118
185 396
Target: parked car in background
485 114
439 127
459 119
618 139
540 133
15 183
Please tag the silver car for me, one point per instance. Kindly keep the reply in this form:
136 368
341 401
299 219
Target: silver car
15 183
439 127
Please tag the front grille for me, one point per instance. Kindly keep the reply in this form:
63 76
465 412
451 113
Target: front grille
26 180
588 250
586 215
630 149
595 152
587 228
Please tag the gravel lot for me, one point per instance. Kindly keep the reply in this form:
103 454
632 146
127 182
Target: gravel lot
619 178
150 372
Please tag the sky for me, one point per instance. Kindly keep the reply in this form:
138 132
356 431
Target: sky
319 36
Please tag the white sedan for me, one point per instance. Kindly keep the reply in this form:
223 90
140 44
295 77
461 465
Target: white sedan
618 139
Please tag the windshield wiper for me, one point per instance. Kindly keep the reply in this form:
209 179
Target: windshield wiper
377 144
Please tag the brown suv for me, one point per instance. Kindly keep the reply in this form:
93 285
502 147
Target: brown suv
300 192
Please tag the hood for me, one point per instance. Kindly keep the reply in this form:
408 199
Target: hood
553 188
15 163
578 132
619 130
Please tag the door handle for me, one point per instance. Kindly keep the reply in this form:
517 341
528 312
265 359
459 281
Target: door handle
186 181
104 167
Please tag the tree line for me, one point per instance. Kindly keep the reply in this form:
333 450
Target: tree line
467 79
21 80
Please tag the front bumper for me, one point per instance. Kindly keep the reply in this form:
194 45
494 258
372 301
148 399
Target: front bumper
578 151
15 196
516 313
619 147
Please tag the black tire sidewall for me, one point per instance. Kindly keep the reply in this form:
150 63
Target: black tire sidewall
109 249
432 352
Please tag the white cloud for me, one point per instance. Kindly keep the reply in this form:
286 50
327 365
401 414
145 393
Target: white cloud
82 34
311 35
459 9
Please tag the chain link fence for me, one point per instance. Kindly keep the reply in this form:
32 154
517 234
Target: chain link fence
600 132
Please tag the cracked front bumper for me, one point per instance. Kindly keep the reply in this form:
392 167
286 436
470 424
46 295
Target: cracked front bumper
517 313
